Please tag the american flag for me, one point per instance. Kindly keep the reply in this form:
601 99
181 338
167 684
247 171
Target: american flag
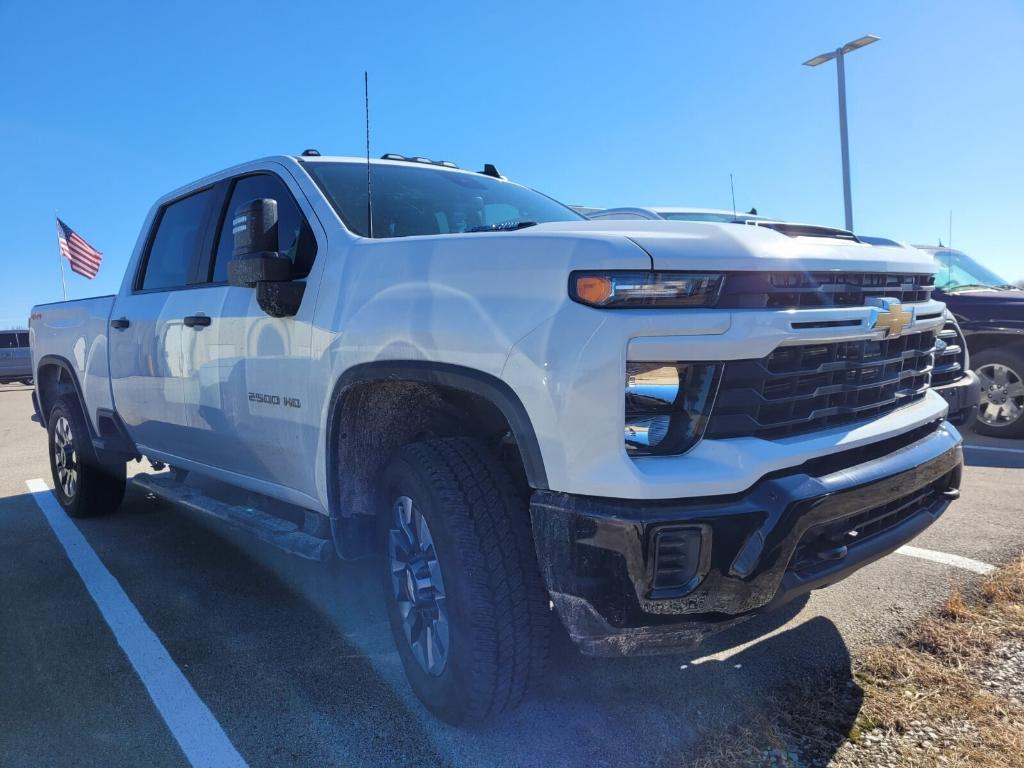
85 260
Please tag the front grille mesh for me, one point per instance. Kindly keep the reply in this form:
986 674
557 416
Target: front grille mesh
830 541
795 290
810 387
950 361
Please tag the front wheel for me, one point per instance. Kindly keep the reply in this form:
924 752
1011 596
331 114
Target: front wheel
1001 410
86 483
467 605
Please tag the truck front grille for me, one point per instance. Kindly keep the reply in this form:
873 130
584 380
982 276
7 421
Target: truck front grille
950 362
796 290
810 387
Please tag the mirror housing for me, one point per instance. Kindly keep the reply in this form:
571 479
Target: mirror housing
256 262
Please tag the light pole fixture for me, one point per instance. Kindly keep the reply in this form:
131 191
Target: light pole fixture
839 54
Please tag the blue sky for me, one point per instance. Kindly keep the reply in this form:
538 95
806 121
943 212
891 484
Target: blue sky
594 103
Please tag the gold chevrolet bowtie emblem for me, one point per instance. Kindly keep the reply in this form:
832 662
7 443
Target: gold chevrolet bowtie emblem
893 320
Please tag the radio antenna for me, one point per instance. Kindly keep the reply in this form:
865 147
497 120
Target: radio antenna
369 187
732 189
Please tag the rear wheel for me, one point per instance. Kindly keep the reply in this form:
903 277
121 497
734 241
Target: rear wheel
468 609
86 483
1001 410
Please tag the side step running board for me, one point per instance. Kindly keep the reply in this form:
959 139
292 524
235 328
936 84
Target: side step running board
283 534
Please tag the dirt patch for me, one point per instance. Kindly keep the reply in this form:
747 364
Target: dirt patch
949 693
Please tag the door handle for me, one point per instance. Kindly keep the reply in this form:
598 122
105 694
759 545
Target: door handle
197 321
120 323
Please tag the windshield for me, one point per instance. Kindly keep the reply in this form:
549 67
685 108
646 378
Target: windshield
412 200
706 216
956 269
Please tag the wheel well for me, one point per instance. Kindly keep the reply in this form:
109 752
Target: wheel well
982 342
52 381
373 419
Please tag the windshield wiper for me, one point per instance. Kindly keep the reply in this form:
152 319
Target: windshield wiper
503 226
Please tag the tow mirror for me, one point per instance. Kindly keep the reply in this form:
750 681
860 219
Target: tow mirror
256 262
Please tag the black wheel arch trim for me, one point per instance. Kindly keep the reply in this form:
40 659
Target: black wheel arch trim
60 362
123 443
459 377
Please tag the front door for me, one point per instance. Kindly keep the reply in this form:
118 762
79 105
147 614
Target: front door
247 380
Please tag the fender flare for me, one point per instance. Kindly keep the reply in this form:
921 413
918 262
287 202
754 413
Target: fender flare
60 362
119 442
470 380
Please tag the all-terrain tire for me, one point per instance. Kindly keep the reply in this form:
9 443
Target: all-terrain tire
498 614
85 483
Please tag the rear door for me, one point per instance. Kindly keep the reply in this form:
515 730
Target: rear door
147 334
247 374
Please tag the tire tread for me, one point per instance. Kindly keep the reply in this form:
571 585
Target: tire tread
510 613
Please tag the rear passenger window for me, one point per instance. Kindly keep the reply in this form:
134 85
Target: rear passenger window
294 237
8 340
23 339
172 249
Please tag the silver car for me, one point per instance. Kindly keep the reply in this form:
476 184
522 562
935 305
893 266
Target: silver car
15 357
673 214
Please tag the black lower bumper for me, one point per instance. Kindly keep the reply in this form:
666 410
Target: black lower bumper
632 577
963 396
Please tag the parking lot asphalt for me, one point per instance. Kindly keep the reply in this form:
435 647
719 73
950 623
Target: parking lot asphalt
295 662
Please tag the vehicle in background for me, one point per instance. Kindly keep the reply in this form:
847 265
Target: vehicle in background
651 430
720 216
670 213
15 357
990 312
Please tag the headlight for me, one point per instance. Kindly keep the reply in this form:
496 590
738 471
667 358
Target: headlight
645 289
667 406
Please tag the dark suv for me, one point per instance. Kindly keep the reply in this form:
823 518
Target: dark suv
990 312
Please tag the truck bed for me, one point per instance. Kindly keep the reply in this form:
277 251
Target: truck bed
76 332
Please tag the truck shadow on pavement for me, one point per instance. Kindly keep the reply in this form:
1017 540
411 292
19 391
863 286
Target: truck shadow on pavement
297 663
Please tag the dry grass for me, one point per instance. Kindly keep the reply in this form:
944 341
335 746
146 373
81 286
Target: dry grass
932 677
752 744
923 701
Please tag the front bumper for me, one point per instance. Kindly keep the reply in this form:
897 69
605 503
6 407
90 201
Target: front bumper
963 396
790 533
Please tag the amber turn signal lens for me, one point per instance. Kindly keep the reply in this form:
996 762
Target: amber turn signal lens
593 289
620 289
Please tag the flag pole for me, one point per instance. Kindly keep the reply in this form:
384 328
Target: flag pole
60 258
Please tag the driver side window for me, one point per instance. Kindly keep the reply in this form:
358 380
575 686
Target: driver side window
294 236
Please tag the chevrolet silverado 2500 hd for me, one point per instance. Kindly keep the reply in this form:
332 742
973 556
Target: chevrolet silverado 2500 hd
650 430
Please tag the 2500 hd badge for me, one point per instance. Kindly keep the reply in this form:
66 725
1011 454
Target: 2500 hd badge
262 397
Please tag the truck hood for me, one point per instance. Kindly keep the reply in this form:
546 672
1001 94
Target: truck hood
1003 307
682 245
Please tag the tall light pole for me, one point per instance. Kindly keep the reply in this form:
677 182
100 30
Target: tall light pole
839 55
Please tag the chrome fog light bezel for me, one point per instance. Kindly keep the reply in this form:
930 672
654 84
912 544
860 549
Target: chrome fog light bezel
671 401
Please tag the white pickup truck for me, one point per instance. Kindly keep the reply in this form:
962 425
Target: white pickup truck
649 429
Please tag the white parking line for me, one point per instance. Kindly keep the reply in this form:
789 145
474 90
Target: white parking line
190 721
994 448
943 557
